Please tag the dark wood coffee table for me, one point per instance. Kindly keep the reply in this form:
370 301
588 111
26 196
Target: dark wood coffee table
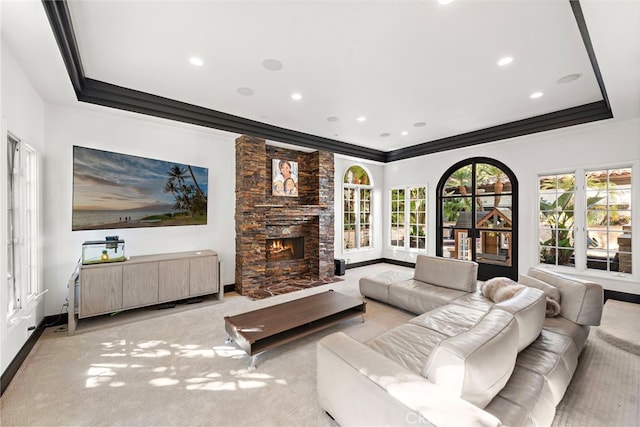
259 330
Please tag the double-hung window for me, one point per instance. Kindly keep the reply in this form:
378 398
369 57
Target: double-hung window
585 219
408 219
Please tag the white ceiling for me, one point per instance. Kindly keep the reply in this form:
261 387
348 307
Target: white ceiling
395 62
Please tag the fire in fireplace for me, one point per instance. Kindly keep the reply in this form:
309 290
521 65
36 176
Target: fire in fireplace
285 249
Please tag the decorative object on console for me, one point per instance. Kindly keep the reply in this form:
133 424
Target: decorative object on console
112 190
99 251
499 289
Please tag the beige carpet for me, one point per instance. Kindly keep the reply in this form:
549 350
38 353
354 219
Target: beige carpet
175 370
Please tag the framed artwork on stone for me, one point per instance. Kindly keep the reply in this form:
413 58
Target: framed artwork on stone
284 178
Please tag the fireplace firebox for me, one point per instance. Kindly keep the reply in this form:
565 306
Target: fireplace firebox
285 249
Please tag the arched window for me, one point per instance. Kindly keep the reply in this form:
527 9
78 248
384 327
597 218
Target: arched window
477 216
356 196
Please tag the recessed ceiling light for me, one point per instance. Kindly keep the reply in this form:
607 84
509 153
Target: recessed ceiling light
445 2
404 133
332 119
419 124
362 119
569 78
505 61
535 95
196 61
296 96
245 91
272 64
384 135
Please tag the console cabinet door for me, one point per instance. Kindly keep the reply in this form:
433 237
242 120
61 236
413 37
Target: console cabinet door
203 277
140 284
174 280
101 290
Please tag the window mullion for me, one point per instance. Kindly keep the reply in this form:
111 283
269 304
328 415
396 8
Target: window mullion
356 208
580 221
407 214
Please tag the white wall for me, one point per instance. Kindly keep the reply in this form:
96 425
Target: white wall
23 114
138 135
599 144
376 171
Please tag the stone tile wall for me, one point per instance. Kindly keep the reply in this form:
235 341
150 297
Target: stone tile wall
260 215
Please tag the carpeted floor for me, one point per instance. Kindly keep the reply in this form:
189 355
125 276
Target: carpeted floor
176 370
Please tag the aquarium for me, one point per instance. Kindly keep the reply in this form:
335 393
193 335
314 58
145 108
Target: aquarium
99 251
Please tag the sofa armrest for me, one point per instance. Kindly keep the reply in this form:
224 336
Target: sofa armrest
581 301
359 386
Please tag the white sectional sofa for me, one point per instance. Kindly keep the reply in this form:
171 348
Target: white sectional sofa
465 360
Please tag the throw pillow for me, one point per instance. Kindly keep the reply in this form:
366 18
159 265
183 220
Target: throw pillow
550 292
500 289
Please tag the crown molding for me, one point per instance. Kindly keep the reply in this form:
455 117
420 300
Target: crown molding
110 95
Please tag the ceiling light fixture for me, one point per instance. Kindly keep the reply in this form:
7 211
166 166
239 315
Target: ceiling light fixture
569 78
272 64
404 133
505 61
535 95
296 96
245 91
196 61
362 119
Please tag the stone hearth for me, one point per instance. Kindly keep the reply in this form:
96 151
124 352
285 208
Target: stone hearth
261 216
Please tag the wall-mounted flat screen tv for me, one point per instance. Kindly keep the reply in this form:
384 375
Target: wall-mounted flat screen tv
113 190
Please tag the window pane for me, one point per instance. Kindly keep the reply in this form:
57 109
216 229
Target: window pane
494 248
492 180
608 201
458 182
356 175
556 219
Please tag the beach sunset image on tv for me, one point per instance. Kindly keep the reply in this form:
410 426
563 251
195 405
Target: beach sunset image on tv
112 190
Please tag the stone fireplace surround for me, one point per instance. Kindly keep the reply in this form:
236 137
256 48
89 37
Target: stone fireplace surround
260 216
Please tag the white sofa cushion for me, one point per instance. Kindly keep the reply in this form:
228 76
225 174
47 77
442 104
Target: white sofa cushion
476 364
408 345
377 286
581 300
447 272
449 320
528 306
419 297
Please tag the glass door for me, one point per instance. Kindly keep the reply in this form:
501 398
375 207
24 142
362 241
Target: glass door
477 216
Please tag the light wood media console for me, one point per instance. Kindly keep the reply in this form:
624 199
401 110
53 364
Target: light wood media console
142 281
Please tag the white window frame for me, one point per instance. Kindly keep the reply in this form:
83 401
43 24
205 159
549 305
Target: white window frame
357 212
26 231
357 200
407 218
580 222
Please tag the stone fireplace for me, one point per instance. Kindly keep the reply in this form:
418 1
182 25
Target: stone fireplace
281 240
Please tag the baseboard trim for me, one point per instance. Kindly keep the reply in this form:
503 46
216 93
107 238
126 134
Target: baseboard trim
401 263
17 361
380 261
363 263
621 296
